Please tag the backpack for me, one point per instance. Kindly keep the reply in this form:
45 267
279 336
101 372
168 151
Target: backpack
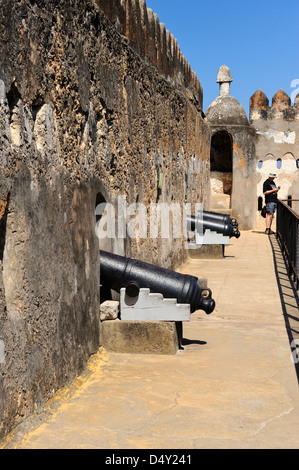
263 212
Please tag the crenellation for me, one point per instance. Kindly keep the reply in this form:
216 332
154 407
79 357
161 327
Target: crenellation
170 48
158 39
137 31
113 10
169 53
165 57
175 51
150 38
145 25
276 144
281 104
151 44
259 104
281 100
280 108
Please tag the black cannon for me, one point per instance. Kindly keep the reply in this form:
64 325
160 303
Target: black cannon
221 217
206 222
117 272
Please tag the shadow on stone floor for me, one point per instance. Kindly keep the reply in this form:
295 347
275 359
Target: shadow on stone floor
289 300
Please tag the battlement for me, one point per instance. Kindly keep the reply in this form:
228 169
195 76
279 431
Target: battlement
152 41
281 107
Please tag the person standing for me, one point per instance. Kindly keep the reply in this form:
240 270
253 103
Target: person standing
270 191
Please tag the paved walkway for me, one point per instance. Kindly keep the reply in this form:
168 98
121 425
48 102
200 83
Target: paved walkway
233 385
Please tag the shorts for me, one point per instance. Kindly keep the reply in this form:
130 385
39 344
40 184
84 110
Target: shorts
271 207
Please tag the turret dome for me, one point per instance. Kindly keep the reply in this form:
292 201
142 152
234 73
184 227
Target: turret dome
226 109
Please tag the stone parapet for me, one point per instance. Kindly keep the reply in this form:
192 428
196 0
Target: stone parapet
150 38
281 107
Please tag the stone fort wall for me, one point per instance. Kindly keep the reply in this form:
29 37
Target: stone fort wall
96 101
150 38
277 145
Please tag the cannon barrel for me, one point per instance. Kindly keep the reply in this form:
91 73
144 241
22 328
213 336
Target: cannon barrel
222 217
218 226
118 272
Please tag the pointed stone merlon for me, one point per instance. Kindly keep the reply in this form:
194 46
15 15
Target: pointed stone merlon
281 106
259 105
152 307
152 41
224 78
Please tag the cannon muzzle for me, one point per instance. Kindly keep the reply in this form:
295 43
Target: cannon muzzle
216 225
118 272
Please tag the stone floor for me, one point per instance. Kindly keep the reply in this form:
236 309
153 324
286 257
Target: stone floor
232 385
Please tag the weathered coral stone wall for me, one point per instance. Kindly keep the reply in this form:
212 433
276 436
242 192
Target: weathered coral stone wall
83 112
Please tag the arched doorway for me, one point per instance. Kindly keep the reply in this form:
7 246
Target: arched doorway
221 152
221 158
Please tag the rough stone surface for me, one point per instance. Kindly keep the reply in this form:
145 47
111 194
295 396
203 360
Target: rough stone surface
224 75
109 310
84 118
140 337
259 104
221 183
226 110
207 252
220 201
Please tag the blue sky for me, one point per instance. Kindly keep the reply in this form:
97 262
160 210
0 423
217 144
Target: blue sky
257 40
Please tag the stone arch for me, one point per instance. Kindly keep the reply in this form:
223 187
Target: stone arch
269 164
269 156
288 155
289 163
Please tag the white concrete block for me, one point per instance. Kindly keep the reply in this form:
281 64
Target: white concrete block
211 238
152 307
